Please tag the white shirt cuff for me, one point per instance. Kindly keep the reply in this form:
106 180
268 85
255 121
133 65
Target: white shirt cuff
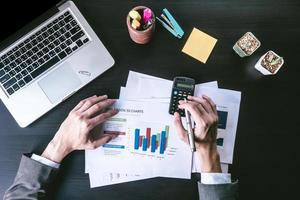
45 161
215 178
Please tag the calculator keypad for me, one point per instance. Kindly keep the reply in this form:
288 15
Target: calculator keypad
178 95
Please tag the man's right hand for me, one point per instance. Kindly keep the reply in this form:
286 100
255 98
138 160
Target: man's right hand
75 132
203 111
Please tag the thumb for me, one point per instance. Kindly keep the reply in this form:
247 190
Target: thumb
179 128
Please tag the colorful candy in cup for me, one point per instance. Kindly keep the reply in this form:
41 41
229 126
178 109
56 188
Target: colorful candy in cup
141 23
147 15
135 24
133 14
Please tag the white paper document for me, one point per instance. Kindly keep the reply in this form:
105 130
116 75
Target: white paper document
228 106
147 137
145 87
147 93
148 145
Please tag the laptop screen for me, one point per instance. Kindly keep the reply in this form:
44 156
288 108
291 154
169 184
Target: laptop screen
20 13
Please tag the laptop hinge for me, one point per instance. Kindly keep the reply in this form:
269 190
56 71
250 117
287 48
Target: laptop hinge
61 3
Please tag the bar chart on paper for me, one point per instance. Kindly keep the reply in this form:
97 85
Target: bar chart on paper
116 126
150 138
140 138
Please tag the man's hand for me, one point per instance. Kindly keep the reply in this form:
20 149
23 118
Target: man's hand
74 132
204 112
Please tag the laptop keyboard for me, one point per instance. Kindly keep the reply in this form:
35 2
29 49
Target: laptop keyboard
40 51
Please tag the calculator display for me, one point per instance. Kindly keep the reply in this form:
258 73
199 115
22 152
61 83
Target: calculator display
184 86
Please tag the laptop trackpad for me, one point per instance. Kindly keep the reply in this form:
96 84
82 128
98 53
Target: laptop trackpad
60 83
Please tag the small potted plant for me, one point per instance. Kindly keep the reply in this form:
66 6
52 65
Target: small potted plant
246 45
269 63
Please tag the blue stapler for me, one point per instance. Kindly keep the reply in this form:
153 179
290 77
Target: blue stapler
170 24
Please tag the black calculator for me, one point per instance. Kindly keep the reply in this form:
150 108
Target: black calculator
182 87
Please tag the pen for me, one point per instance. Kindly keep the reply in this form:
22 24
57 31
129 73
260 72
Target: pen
189 129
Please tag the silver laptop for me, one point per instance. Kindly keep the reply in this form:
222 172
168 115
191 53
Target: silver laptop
49 62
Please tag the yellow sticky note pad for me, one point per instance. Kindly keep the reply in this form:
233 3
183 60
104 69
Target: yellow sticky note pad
199 45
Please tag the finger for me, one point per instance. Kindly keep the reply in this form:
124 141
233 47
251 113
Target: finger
206 105
100 141
207 117
90 102
212 104
193 104
192 107
179 128
102 117
200 116
99 106
201 109
81 103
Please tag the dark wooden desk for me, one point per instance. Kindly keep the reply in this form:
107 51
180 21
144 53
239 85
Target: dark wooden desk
266 158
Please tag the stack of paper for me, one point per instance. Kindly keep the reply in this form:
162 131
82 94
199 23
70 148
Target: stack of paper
147 145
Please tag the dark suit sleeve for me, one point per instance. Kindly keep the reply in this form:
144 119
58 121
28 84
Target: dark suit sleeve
218 191
32 180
